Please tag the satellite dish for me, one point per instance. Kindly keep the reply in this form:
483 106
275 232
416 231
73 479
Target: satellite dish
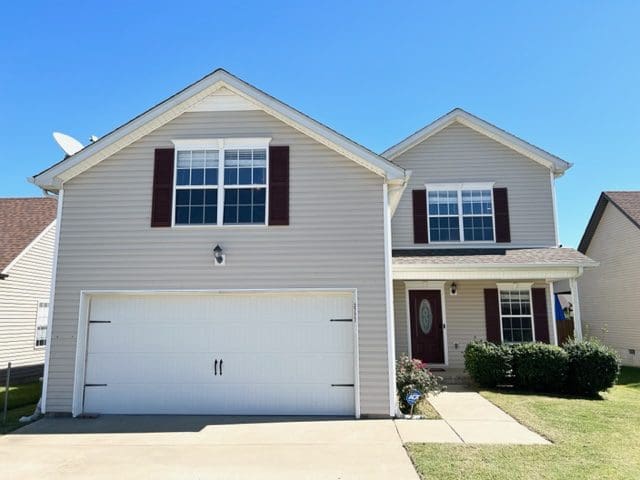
69 144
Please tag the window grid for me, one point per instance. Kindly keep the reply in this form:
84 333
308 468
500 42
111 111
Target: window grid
444 221
210 193
516 316
460 215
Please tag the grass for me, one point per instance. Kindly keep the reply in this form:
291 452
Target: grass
22 402
593 439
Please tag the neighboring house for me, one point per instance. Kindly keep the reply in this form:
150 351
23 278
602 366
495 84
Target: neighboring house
27 232
223 253
610 294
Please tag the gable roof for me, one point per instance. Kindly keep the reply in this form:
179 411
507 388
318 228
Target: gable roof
22 220
555 164
53 177
627 202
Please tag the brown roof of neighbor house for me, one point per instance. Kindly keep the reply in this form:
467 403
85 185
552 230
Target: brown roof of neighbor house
494 256
21 221
627 202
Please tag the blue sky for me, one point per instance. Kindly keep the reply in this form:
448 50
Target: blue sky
562 75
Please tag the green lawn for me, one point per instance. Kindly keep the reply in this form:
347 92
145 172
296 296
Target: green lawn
593 439
22 402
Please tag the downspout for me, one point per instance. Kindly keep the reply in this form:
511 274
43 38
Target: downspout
391 340
45 383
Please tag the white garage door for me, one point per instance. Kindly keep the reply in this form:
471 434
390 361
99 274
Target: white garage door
222 353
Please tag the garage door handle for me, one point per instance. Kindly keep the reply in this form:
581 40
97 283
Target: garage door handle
220 367
215 367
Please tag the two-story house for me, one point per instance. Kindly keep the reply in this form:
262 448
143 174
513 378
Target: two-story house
223 253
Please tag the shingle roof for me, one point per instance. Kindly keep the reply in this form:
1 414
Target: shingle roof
627 202
21 221
494 256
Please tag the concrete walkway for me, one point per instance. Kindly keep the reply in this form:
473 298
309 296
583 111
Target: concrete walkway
186 447
467 417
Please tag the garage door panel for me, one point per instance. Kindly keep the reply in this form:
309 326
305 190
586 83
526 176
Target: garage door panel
281 354
180 368
198 399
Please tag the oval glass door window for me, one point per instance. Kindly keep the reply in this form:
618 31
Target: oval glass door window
426 316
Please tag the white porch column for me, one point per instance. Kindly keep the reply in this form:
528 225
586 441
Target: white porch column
552 301
577 318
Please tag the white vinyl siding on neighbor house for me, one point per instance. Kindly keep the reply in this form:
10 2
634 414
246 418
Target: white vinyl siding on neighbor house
27 285
464 317
335 240
460 154
609 294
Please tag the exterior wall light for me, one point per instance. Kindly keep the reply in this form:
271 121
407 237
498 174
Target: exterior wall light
218 255
453 289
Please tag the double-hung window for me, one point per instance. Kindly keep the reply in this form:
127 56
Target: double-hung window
221 182
516 316
42 322
460 212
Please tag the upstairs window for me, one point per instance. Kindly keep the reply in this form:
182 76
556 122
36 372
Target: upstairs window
223 182
460 213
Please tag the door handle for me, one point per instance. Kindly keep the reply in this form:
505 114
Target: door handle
215 367
220 367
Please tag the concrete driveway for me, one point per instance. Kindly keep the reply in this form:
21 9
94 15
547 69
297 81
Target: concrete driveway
185 447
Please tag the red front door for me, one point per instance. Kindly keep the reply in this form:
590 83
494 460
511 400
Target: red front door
425 312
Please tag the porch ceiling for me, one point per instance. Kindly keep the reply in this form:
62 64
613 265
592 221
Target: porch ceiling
486 264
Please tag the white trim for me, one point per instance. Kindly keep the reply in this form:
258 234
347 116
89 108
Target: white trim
577 317
356 352
54 276
527 287
428 285
181 102
220 143
555 164
26 249
552 300
482 272
460 186
514 286
388 281
555 208
83 328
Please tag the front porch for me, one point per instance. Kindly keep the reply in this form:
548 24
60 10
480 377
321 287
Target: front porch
444 299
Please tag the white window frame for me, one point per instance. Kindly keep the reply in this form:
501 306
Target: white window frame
459 187
39 317
510 287
221 144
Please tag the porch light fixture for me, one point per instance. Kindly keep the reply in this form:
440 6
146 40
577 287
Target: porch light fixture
453 289
218 255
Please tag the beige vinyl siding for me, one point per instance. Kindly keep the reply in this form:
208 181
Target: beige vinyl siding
460 154
464 317
28 283
610 293
334 240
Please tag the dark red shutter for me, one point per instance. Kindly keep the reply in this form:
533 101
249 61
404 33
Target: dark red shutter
540 317
279 185
420 234
501 212
162 201
492 315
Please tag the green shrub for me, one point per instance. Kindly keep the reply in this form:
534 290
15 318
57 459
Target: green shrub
539 367
593 367
487 364
414 375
